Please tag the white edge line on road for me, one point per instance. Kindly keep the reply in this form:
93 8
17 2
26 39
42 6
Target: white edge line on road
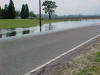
67 52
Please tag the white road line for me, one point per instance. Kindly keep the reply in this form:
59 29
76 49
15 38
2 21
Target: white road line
67 52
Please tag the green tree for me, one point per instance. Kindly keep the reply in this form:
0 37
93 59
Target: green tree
49 7
27 11
0 12
17 13
31 14
11 10
24 11
4 13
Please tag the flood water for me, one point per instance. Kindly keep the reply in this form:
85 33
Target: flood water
9 34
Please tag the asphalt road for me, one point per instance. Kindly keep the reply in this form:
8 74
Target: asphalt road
18 57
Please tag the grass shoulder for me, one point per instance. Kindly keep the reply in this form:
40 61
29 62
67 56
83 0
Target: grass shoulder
86 63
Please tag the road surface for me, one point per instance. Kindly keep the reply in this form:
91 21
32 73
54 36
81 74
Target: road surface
18 57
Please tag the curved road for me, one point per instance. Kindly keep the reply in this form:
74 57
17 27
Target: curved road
18 57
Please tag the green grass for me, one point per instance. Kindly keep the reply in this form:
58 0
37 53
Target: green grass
89 61
94 68
17 23
90 70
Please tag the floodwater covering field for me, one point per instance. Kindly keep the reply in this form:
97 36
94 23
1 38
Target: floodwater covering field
8 34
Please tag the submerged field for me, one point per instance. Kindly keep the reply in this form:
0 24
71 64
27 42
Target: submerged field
17 23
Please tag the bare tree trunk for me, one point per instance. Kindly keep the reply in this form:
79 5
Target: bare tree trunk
49 16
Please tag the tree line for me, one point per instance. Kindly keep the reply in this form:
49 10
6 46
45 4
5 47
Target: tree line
9 12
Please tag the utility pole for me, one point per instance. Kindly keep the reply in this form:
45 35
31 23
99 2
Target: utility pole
40 15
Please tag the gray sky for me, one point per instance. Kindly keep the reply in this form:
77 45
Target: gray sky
65 7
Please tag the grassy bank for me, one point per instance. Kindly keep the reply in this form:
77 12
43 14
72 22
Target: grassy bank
90 62
16 23
86 63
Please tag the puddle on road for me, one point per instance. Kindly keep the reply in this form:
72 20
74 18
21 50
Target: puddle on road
6 34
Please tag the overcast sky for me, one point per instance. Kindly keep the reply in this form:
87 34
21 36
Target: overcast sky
65 7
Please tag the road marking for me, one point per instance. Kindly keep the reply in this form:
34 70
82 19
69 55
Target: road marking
65 53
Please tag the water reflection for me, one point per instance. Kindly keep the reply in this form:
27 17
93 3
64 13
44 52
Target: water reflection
49 27
31 31
0 35
26 32
10 34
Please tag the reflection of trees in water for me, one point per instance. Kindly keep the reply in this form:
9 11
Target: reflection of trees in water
4 33
0 35
26 32
11 34
49 27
